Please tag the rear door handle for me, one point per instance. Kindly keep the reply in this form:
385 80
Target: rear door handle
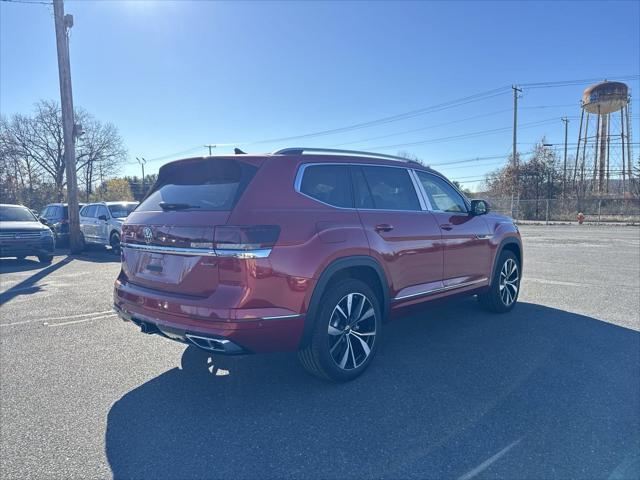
446 226
383 227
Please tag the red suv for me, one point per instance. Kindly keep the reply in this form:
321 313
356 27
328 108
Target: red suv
307 250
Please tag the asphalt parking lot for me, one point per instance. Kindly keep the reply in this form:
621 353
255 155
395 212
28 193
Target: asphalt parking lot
550 390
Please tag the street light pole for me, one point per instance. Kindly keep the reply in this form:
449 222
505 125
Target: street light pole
62 24
515 190
210 146
142 161
565 120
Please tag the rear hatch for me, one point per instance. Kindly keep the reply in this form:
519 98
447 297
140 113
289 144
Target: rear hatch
168 241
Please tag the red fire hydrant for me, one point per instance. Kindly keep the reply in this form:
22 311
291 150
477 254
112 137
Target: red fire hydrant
581 218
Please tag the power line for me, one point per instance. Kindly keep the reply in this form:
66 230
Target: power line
584 81
465 135
422 128
28 2
564 105
394 118
404 116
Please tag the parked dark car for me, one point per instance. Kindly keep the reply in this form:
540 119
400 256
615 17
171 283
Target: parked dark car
307 250
56 216
22 235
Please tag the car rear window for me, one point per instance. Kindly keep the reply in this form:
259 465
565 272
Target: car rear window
122 210
211 184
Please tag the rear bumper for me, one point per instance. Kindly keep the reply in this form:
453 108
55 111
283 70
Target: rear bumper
13 248
192 321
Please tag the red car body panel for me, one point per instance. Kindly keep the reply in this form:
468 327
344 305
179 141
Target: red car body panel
261 304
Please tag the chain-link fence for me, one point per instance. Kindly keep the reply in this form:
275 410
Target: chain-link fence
623 210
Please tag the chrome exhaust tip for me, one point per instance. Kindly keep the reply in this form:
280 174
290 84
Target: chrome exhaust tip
214 344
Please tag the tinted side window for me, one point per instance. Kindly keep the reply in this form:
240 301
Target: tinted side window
328 183
55 212
44 212
102 210
89 211
391 188
362 193
442 196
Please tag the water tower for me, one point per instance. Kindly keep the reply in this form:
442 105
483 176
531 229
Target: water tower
603 162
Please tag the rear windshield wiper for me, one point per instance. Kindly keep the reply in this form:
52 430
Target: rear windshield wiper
176 206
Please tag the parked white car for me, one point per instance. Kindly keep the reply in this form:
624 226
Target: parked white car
100 222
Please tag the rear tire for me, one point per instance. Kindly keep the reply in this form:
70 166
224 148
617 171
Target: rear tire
346 332
45 258
503 293
114 241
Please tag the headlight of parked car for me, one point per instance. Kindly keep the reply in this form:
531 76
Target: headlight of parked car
46 233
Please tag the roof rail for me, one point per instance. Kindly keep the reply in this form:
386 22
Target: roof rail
302 150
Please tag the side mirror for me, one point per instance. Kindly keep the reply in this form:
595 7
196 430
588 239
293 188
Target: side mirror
102 217
479 207
43 220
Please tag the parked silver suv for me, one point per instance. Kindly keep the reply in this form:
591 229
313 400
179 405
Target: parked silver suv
100 222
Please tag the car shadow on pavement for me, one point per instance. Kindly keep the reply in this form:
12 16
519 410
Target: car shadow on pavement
28 285
98 254
90 253
12 265
453 393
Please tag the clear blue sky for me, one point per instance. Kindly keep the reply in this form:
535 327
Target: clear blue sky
173 76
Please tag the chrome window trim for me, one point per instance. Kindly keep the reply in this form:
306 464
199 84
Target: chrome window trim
297 183
424 192
441 289
200 252
422 197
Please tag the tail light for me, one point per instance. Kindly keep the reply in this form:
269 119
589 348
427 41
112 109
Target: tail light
253 241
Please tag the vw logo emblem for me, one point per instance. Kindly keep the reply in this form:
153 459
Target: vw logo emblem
148 234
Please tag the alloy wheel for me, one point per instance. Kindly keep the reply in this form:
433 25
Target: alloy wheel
508 285
352 331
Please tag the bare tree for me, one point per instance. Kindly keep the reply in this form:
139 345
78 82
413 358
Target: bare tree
32 149
99 152
409 156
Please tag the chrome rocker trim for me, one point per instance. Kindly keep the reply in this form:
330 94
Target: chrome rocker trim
442 289
199 252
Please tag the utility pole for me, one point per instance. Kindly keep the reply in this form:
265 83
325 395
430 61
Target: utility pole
210 146
63 23
565 120
515 190
142 161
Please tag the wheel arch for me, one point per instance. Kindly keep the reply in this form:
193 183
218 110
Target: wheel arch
361 267
512 244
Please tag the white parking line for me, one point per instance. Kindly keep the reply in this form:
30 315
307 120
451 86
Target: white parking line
45 320
77 316
17 323
80 321
487 463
